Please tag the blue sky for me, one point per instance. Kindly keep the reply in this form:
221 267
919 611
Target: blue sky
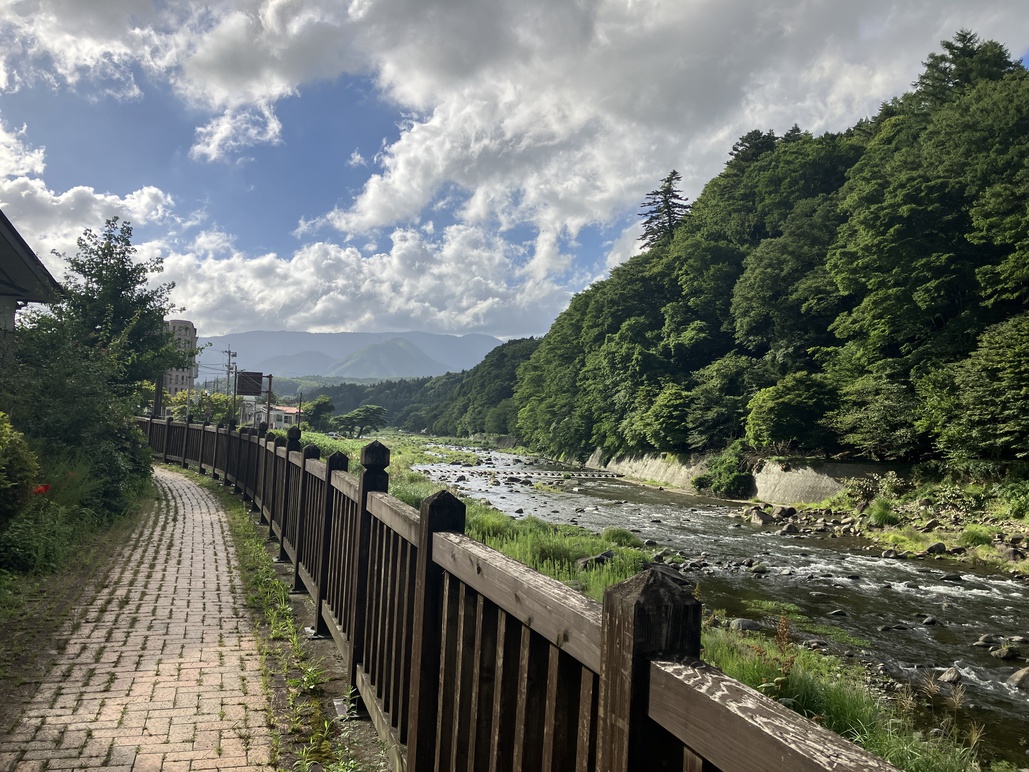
450 166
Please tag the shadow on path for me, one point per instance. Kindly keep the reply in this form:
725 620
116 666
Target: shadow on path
161 670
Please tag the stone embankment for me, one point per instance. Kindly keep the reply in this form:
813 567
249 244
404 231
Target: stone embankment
776 482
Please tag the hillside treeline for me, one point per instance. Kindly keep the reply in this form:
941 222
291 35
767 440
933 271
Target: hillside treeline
861 292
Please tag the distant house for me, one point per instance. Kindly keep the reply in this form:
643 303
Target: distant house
282 416
23 279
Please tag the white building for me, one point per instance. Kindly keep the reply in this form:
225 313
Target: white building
180 379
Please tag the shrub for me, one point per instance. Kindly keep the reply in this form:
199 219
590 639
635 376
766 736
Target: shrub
18 469
622 537
975 535
727 474
881 513
43 536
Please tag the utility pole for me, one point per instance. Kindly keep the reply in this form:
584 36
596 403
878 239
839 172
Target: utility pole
229 368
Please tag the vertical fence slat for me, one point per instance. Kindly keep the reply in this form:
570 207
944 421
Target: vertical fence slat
335 462
483 679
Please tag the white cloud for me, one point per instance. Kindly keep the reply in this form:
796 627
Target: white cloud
235 130
49 220
461 282
538 117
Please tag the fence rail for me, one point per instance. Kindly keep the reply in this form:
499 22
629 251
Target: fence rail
469 660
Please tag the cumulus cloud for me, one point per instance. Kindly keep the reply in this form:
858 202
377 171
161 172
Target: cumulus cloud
51 221
462 281
538 117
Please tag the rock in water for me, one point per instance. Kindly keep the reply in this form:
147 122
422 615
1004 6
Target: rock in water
1020 680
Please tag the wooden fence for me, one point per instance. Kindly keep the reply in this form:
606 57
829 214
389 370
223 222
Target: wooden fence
469 660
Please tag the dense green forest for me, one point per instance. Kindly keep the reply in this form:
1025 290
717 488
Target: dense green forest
859 293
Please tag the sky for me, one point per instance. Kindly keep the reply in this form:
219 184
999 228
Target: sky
449 166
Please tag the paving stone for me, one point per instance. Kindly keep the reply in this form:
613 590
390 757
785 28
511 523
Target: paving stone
150 678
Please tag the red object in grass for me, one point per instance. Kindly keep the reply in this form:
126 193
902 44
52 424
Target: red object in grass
40 489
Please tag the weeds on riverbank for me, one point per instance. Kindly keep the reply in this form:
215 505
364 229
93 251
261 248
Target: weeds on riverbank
833 694
976 521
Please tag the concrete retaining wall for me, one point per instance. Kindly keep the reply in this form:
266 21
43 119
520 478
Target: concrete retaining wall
793 483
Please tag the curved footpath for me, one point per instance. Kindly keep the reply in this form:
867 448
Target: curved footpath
161 670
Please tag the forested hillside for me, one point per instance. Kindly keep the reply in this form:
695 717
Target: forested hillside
861 293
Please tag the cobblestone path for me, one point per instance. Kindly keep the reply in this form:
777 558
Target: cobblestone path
161 670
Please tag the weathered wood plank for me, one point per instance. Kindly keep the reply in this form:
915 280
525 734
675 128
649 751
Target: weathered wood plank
483 678
449 644
505 695
702 707
586 739
565 618
397 515
532 685
562 709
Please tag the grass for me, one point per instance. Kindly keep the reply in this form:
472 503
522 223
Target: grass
832 694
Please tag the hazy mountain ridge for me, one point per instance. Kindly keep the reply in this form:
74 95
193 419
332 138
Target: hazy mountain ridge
289 353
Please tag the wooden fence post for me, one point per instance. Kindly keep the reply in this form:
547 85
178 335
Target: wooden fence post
167 436
310 451
237 486
335 461
651 613
273 495
441 511
374 459
185 443
203 442
292 444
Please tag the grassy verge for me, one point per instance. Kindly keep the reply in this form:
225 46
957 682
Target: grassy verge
817 685
982 523
306 730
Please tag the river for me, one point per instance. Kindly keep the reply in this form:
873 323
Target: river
919 616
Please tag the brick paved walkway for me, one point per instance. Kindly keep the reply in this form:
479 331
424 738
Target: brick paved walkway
161 670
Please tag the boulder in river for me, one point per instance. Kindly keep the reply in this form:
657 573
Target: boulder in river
760 517
1020 680
745 624
950 676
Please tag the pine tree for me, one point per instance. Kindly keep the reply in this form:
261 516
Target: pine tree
664 210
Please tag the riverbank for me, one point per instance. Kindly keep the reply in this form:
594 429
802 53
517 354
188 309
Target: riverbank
973 523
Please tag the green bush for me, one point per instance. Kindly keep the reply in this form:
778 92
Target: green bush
622 537
881 513
18 469
727 474
976 535
43 536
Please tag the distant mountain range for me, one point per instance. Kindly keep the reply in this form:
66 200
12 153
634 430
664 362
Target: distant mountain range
345 355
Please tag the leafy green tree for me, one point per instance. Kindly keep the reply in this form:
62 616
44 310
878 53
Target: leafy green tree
356 423
316 412
109 297
964 61
984 414
877 418
18 468
791 413
664 210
